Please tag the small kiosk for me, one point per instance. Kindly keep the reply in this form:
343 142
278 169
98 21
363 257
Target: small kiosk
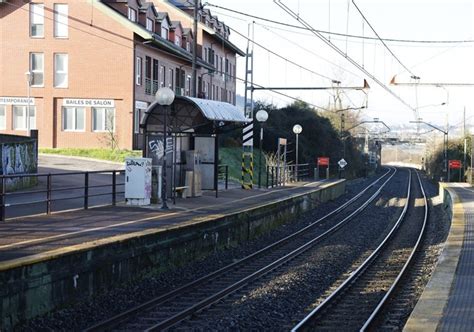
184 137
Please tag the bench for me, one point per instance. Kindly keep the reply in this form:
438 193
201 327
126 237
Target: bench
181 191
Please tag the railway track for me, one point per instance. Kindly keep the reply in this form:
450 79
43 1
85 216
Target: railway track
171 308
358 301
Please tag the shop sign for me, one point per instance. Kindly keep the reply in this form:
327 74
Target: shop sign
16 101
89 102
141 105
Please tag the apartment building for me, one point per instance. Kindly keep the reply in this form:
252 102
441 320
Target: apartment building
82 72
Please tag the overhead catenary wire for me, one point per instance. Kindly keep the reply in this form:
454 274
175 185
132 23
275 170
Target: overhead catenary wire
341 34
381 40
339 51
280 56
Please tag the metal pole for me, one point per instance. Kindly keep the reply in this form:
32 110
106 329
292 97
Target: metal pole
260 159
86 190
216 163
446 160
164 206
28 107
114 188
284 165
48 194
297 157
2 199
195 23
278 164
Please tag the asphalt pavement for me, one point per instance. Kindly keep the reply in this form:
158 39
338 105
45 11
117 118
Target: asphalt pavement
67 189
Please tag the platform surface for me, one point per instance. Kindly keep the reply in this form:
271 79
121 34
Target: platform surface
458 315
28 236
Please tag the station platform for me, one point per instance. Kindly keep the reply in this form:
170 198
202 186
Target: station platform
447 303
49 260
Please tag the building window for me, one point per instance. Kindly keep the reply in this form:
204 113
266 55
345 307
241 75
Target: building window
37 20
60 70
139 113
171 75
177 40
103 119
132 14
188 85
20 119
37 69
148 86
3 117
61 20
162 76
149 24
155 76
138 71
165 33
188 46
73 118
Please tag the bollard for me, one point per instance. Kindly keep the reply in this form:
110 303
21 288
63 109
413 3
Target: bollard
114 188
86 190
48 194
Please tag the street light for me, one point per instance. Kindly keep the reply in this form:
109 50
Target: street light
297 129
164 97
445 143
261 117
29 81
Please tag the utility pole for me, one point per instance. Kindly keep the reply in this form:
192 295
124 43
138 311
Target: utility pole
194 75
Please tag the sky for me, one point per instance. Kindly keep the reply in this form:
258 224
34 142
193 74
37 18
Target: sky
395 19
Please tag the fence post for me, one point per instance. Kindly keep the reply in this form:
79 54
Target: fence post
86 190
2 199
273 176
48 194
226 176
267 175
114 188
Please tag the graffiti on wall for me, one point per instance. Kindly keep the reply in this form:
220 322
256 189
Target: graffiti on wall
18 158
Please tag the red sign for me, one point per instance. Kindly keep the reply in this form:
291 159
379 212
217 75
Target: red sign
455 164
323 161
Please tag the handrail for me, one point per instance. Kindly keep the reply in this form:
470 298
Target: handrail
49 190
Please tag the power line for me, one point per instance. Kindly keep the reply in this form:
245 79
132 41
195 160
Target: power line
341 34
282 57
335 48
381 40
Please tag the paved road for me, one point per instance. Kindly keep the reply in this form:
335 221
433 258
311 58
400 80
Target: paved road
67 189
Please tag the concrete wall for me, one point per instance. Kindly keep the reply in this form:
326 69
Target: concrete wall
38 284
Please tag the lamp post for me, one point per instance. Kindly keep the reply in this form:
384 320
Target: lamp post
164 97
297 129
261 117
445 143
29 81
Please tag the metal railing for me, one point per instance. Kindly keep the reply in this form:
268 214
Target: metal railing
44 191
279 175
224 175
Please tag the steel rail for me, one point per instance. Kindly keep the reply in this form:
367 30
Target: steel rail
384 300
117 319
270 267
304 324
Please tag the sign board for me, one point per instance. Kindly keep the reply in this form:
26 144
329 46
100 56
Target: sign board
455 164
323 161
89 102
16 101
141 105
342 163
282 141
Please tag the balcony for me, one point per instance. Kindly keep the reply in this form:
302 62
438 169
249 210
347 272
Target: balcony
151 86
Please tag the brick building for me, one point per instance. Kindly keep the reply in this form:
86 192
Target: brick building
92 67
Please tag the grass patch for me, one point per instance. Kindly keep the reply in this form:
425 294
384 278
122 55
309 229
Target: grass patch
103 154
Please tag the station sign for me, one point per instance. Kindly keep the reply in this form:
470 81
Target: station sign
455 164
323 161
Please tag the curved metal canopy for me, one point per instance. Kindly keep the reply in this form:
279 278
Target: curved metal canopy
187 113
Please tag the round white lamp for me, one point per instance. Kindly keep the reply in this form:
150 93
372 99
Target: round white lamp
164 96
